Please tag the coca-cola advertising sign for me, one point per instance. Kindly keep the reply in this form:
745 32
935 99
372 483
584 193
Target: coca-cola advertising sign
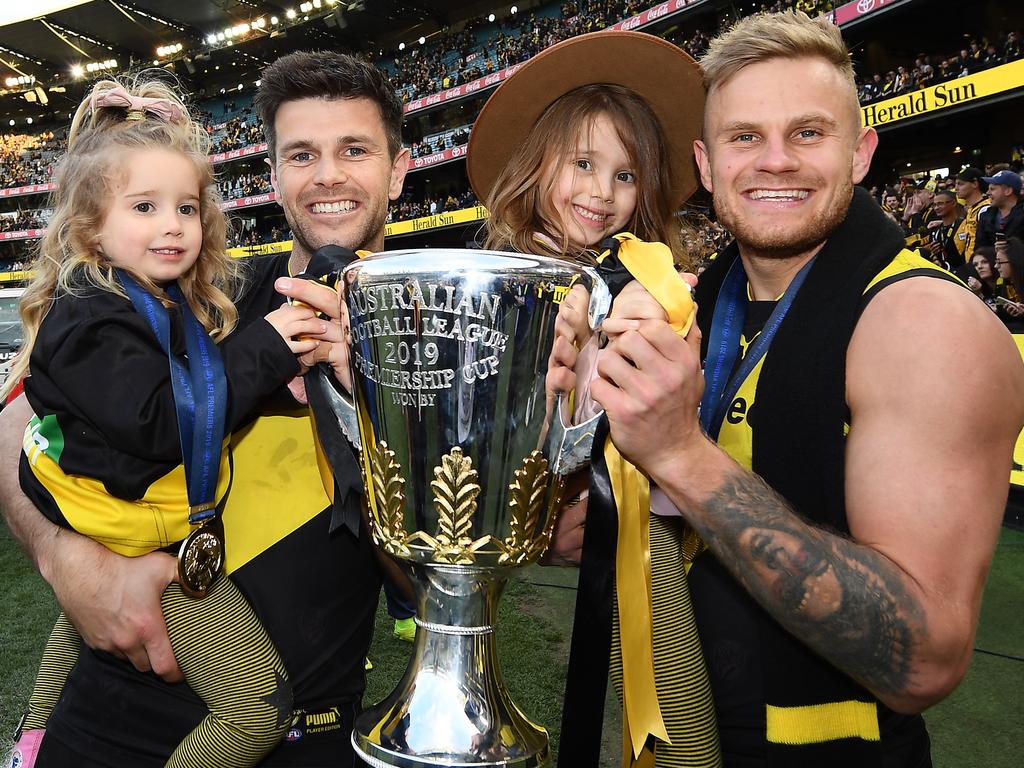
659 11
252 149
28 189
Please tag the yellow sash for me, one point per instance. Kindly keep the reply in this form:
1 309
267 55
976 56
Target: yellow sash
652 265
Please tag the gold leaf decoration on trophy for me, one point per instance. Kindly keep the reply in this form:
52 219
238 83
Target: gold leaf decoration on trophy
389 497
527 492
455 491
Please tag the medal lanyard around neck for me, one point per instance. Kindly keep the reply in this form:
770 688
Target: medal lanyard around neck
200 394
720 383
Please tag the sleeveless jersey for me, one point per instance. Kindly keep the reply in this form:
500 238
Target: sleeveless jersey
730 622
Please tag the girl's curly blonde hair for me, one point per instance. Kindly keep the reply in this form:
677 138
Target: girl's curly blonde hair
99 139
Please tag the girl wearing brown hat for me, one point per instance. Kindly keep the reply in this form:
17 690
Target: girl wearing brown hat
580 147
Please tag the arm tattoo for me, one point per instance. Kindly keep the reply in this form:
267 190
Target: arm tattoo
844 600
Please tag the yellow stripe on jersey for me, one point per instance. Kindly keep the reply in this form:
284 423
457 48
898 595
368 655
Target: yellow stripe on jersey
817 723
277 487
132 528
904 262
1017 475
736 437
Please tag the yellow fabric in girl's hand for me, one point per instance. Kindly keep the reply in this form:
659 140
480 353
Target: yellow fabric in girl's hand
651 264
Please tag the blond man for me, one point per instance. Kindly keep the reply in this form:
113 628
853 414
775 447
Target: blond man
849 521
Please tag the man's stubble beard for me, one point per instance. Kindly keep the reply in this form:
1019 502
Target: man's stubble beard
364 236
788 245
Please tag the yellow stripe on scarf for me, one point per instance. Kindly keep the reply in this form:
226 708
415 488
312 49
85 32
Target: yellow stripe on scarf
651 264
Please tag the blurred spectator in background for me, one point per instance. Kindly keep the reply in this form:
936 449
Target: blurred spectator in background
918 208
942 230
984 280
971 188
893 206
1005 215
1010 287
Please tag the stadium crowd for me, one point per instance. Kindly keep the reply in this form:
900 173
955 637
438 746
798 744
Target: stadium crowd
929 70
478 48
16 221
440 141
238 132
27 159
451 58
971 222
411 207
244 185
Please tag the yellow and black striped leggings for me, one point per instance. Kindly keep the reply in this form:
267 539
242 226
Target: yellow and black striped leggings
680 675
227 658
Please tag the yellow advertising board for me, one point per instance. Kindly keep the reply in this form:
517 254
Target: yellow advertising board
14 277
263 249
464 216
422 224
990 82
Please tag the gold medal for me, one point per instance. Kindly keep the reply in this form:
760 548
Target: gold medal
201 559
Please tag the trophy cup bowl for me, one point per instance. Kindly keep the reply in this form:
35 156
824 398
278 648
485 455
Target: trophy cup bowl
463 454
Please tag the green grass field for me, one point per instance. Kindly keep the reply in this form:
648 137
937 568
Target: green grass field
980 726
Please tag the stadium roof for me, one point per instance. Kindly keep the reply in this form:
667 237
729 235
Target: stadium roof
51 49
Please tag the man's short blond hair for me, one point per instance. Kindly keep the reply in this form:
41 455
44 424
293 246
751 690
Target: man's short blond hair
763 37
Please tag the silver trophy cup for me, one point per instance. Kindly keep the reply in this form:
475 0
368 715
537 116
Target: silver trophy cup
463 454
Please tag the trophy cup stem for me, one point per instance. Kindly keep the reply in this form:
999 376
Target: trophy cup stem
451 707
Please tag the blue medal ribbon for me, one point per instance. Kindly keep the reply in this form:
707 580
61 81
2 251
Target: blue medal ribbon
721 383
200 394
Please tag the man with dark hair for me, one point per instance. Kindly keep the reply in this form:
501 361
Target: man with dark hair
971 188
334 133
942 230
333 126
1004 216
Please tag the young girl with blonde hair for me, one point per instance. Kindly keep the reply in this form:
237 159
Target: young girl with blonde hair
136 373
584 154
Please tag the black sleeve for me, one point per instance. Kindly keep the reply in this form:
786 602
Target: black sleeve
257 362
98 359
257 296
108 369
986 233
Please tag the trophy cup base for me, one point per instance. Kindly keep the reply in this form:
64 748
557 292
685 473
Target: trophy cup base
387 736
377 756
451 708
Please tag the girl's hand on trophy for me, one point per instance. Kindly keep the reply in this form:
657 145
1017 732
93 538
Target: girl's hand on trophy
561 376
297 386
634 302
572 321
298 326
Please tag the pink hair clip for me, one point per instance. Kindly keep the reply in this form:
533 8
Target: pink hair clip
138 106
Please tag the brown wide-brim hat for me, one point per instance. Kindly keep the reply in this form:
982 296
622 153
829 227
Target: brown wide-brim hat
666 77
